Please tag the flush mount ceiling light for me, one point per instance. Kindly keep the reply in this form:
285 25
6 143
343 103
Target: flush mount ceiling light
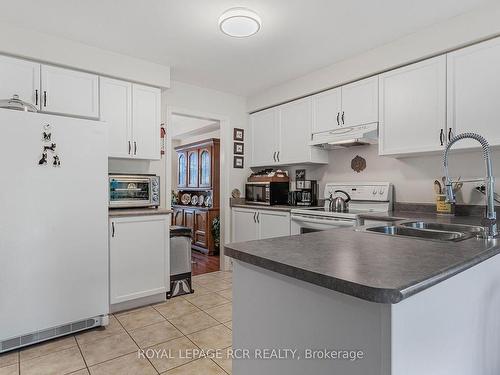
239 22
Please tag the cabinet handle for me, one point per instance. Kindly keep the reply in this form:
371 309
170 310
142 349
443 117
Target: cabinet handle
36 97
258 217
135 148
45 98
338 115
113 229
278 156
449 135
274 156
254 219
343 122
441 133
129 147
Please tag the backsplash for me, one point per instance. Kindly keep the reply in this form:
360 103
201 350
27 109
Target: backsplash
412 176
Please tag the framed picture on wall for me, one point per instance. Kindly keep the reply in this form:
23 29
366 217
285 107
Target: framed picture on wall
239 148
238 162
239 134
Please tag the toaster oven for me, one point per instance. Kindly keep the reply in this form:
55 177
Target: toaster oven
126 191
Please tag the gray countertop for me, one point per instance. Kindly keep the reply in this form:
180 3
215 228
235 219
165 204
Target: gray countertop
122 212
369 266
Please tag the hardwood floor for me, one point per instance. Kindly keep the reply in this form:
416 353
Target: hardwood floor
204 263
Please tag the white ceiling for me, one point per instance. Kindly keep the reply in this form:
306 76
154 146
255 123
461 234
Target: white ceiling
297 36
182 127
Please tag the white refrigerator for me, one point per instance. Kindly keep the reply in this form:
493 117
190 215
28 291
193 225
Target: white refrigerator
53 227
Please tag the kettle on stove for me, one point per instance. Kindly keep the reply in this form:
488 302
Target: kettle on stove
339 204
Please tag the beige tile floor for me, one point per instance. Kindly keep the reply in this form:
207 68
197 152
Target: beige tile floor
202 320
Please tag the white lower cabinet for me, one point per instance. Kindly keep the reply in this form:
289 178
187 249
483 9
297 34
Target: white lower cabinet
249 224
139 257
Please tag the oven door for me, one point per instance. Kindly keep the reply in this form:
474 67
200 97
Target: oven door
130 192
310 223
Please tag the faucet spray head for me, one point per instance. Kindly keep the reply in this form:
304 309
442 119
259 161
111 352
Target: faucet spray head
450 195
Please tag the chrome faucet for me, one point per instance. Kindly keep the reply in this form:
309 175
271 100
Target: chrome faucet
490 221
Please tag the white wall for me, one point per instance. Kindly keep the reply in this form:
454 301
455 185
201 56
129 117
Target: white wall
458 31
412 177
230 109
54 50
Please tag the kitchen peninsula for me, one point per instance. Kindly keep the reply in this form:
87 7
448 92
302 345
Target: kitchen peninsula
411 306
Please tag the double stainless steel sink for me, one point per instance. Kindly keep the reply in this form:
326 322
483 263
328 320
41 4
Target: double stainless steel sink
429 230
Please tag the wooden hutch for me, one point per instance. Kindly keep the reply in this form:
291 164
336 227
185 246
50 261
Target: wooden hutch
198 167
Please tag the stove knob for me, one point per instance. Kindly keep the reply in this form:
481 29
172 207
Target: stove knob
382 191
374 191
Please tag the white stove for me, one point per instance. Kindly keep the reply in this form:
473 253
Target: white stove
365 197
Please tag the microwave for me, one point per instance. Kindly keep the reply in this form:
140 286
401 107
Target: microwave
267 193
127 191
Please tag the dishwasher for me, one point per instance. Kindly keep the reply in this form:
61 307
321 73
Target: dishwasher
180 262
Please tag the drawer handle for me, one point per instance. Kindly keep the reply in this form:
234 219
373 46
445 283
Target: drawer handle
113 229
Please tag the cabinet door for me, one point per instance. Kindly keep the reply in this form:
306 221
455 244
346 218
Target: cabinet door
273 223
413 108
205 172
265 137
244 225
189 219
201 228
139 257
69 92
146 106
326 111
295 132
20 77
360 102
192 158
182 171
178 216
474 92
116 110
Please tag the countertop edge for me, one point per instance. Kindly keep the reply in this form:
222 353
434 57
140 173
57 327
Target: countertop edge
125 212
371 294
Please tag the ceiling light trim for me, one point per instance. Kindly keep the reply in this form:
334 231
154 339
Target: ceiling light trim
240 12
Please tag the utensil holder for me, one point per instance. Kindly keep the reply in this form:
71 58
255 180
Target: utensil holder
443 207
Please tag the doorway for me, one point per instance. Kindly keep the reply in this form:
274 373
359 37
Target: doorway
195 166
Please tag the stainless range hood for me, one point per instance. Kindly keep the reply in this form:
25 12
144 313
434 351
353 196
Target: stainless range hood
347 137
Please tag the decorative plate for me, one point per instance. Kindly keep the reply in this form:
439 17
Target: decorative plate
194 200
235 193
201 199
208 201
186 198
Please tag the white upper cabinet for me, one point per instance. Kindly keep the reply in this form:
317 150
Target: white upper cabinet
295 131
474 92
281 135
326 111
412 108
265 137
69 92
360 102
146 113
116 110
20 77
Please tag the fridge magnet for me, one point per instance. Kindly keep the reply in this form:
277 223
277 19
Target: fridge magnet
238 134
358 164
238 162
239 148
